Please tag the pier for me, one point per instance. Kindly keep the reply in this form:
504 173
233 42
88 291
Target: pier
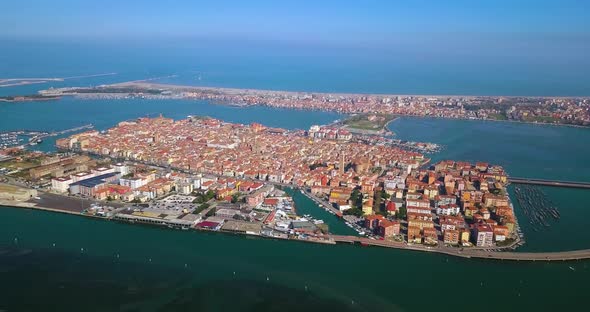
35 139
555 183
572 255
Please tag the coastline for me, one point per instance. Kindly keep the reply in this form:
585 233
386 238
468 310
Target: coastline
141 85
252 90
570 255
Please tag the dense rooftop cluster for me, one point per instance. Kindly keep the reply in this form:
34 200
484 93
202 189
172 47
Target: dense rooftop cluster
526 109
246 151
574 111
452 203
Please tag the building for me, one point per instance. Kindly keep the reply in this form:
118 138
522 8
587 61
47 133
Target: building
414 235
372 221
133 182
421 224
121 168
88 187
448 210
465 235
500 233
61 184
388 228
483 235
451 237
430 236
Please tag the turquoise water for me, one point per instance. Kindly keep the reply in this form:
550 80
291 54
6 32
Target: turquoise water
103 114
196 270
308 206
100 265
103 266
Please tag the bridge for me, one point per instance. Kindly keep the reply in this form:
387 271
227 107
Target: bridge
556 183
471 252
36 138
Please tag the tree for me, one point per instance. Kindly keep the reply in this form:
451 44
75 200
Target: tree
209 195
235 197
356 198
401 213
353 212
210 213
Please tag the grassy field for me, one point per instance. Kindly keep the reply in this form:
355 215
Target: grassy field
375 122
498 117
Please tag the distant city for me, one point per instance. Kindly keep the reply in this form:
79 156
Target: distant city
550 110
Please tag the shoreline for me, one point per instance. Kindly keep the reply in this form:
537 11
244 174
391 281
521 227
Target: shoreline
120 96
569 255
254 90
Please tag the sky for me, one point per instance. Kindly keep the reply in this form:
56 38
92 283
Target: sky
326 21
543 44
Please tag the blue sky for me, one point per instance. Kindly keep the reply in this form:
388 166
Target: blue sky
527 45
360 22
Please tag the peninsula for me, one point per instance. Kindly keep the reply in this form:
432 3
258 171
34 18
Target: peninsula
545 110
206 174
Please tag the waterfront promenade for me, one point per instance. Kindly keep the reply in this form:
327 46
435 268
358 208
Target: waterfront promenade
581 254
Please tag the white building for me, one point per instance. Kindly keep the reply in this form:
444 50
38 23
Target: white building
184 188
61 185
81 176
102 170
134 182
447 210
121 168
484 236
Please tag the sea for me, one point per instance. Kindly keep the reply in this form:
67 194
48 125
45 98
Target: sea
61 262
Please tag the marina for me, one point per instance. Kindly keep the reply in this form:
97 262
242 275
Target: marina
24 138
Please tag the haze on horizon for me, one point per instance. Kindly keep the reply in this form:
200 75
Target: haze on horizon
547 40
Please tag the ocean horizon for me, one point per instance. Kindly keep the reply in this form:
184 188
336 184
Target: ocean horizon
307 68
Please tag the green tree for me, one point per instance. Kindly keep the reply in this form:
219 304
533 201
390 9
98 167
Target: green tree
210 213
209 195
354 212
235 197
356 198
401 213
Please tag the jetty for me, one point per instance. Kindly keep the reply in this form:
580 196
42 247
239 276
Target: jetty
37 138
545 182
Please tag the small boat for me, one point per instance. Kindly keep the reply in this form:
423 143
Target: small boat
571 268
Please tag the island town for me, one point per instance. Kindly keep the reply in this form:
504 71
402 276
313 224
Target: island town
206 174
573 111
